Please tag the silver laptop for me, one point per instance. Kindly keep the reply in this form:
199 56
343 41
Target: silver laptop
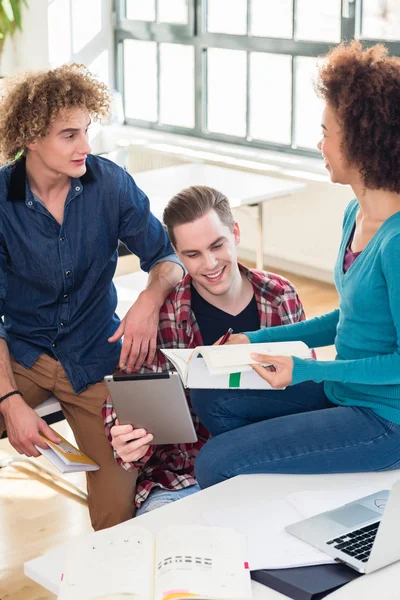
154 401
364 534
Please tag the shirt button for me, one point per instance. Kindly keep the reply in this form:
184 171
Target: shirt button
67 273
62 239
62 324
77 188
65 296
54 345
30 203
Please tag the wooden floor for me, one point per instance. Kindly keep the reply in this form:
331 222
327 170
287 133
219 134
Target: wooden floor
36 516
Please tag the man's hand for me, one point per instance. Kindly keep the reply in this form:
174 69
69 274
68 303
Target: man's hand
23 427
129 443
139 328
282 374
234 338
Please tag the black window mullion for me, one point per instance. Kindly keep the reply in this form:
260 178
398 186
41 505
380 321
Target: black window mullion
294 13
358 17
119 68
259 44
248 73
200 67
200 92
248 104
293 115
348 20
158 84
293 92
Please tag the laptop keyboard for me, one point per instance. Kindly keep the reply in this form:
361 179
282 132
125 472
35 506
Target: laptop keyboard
358 543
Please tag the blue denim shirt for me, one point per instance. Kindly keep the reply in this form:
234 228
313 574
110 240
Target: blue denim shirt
56 289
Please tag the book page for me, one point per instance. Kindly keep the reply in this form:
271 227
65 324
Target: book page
68 453
61 465
237 357
208 562
108 563
179 358
269 545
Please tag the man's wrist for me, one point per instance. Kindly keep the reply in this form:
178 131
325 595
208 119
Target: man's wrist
10 393
9 401
155 297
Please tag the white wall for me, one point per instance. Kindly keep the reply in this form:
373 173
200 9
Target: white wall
302 231
47 39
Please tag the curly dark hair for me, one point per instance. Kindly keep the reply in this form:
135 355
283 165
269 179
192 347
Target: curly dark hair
362 85
30 102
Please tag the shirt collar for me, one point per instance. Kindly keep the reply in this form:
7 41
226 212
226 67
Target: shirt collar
182 293
17 185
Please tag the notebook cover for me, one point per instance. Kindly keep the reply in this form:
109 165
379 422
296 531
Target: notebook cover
306 583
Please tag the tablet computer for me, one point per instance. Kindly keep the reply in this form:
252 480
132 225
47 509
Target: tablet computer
155 402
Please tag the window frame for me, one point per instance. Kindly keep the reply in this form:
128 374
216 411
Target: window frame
195 34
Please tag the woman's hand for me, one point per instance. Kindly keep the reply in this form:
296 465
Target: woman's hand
130 444
282 373
234 338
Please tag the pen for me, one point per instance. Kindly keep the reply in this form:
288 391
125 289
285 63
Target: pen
226 337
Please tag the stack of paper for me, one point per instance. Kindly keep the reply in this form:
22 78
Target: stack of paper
269 545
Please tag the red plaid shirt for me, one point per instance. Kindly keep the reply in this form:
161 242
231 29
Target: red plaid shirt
172 466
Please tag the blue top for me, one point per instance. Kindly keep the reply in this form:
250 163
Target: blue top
56 290
365 329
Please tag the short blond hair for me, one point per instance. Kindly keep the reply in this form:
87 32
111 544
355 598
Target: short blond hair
193 203
30 103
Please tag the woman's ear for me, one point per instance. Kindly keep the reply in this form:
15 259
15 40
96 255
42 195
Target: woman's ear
32 146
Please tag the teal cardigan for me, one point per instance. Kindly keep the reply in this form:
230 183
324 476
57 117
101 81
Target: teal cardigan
365 329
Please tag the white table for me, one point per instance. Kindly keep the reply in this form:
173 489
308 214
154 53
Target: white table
242 188
383 585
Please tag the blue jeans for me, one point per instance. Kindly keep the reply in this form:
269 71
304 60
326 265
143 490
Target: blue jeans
159 497
297 430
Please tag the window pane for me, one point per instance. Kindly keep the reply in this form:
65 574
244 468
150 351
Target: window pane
226 91
317 20
59 32
177 85
141 10
100 67
381 19
221 19
140 79
270 109
308 107
86 22
272 19
173 11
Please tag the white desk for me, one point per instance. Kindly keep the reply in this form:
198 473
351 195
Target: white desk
242 188
383 585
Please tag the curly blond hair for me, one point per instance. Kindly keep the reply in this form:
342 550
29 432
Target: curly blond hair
31 102
362 85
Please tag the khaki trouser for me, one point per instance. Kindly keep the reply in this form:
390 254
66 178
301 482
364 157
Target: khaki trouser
111 489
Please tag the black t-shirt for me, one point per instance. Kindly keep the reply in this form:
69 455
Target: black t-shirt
214 322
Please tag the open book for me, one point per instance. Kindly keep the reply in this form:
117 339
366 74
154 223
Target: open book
228 366
128 561
66 457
